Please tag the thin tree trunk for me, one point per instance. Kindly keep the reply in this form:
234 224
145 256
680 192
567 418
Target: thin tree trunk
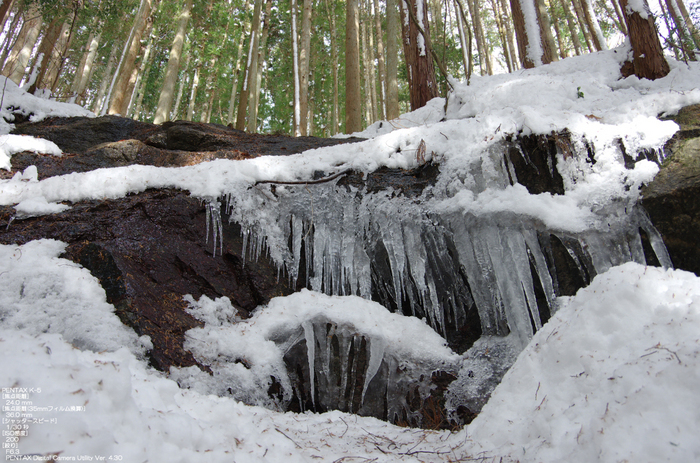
46 49
380 60
118 101
366 76
694 32
620 17
466 52
581 17
304 65
19 57
353 107
549 48
165 101
571 23
593 26
334 63
296 110
262 55
251 66
12 35
140 87
193 94
102 92
498 16
684 34
392 62
237 67
180 91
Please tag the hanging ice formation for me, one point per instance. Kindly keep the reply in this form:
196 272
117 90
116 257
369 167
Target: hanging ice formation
467 273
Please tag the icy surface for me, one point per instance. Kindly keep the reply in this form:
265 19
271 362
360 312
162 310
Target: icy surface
247 355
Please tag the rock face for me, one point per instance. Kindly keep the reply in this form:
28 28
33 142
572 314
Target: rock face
150 249
673 198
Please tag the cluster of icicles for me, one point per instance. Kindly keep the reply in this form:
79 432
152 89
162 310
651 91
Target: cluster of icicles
468 276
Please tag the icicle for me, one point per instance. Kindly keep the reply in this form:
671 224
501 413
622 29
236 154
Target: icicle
376 355
311 355
214 223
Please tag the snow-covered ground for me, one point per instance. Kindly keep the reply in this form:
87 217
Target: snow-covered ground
611 377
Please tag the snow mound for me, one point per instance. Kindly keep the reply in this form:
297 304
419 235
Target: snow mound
43 293
611 377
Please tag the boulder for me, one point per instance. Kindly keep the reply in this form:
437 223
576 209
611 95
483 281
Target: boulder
672 200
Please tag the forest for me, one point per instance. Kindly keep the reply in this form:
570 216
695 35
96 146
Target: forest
310 67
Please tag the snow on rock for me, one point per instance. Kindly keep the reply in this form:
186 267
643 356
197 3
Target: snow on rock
246 355
11 144
611 377
17 101
43 293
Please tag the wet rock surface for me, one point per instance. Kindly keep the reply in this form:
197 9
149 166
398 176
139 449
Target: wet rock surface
673 198
148 251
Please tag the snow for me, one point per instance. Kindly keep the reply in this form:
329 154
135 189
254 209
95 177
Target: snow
610 377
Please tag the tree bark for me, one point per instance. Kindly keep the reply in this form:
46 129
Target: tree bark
167 93
304 65
102 92
593 26
684 34
334 63
392 62
296 119
252 65
16 63
237 66
380 60
255 91
5 10
648 57
353 107
571 23
119 101
45 52
419 62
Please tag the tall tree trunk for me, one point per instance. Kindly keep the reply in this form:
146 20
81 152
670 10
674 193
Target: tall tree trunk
296 110
13 31
648 57
366 73
353 98
571 23
304 65
45 51
549 48
237 66
581 17
334 69
251 66
99 102
463 28
533 45
180 91
118 100
392 61
380 60
86 71
262 55
167 93
141 78
419 62
593 25
498 16
686 40
193 93
620 17
16 63
692 28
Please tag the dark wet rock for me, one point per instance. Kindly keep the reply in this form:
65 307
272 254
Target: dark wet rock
673 198
148 251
